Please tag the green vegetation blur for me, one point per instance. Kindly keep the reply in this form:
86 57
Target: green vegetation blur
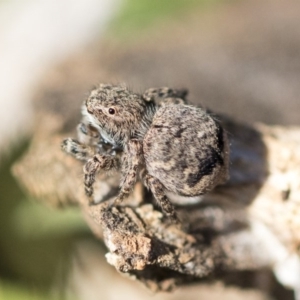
136 17
36 242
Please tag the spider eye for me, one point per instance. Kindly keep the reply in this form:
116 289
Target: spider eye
111 111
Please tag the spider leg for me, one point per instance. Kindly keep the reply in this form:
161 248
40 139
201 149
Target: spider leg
133 158
92 167
171 95
87 134
157 190
76 149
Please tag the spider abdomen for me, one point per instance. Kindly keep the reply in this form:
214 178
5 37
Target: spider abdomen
186 150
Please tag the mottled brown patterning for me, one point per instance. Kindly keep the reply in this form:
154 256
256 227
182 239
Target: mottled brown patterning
185 149
173 146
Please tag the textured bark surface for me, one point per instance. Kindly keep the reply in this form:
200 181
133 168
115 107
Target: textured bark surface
230 63
216 235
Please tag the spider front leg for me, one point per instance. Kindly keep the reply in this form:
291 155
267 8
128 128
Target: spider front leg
76 149
158 192
93 166
83 148
132 160
87 134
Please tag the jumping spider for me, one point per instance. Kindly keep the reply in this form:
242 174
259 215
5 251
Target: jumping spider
174 147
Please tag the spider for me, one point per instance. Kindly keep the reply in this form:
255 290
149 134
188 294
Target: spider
172 146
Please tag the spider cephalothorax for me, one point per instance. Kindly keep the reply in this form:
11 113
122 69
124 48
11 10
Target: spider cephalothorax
118 113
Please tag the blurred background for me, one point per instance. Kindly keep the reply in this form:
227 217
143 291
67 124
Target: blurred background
238 57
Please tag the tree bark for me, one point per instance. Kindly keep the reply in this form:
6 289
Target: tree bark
240 225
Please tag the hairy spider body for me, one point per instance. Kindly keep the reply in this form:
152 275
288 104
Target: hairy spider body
174 147
184 149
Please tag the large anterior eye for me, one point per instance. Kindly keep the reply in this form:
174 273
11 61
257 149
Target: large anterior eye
111 111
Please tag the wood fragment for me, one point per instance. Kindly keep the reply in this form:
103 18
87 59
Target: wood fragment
222 232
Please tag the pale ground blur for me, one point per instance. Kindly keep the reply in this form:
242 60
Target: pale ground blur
33 36
250 60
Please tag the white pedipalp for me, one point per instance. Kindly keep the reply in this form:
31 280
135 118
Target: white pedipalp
90 119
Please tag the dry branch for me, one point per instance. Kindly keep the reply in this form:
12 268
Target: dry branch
238 226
